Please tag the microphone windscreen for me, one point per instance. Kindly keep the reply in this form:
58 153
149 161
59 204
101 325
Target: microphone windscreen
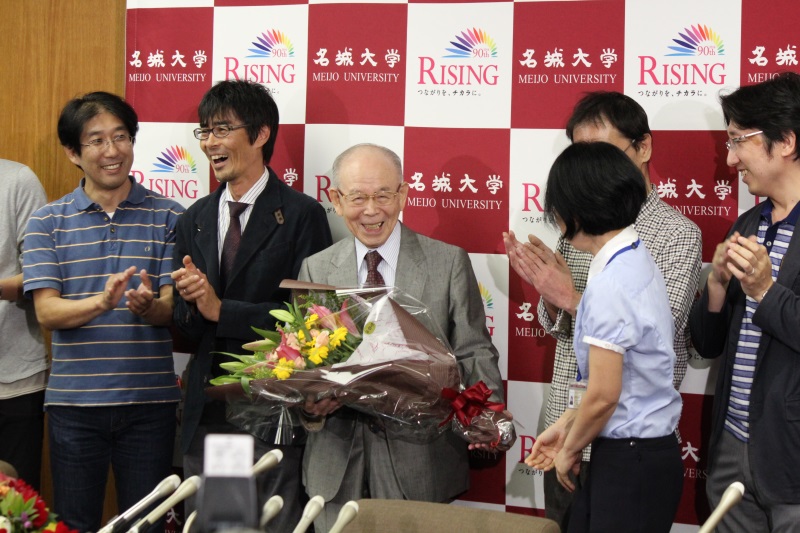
346 515
271 508
311 511
732 495
168 485
121 522
267 461
186 489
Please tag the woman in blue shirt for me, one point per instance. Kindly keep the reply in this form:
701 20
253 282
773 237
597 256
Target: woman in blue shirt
622 401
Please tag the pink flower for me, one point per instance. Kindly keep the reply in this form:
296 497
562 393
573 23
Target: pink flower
344 318
325 316
291 340
286 350
323 339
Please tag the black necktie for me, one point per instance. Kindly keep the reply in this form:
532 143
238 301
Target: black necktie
374 277
232 240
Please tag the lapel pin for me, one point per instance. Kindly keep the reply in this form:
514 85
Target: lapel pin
279 216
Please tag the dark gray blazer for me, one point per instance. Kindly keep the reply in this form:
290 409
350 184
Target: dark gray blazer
774 447
441 276
284 228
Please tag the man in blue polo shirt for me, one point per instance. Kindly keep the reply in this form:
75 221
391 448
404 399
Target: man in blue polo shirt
97 263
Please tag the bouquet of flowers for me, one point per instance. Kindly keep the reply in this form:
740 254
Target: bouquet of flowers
370 349
22 510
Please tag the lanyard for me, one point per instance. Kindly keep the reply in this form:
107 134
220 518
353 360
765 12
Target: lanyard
632 246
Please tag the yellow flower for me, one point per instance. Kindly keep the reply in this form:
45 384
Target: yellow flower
337 337
316 355
300 335
310 320
284 368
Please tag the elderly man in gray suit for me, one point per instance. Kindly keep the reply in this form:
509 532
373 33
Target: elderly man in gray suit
349 457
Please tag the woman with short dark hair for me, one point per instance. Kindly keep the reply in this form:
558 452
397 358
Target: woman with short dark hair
622 400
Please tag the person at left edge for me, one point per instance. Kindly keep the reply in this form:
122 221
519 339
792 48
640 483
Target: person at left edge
280 227
97 263
23 356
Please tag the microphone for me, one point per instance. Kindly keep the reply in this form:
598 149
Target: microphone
346 515
122 521
311 511
732 495
271 508
186 489
268 460
187 526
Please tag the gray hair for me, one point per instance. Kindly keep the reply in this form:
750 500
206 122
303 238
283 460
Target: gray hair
393 158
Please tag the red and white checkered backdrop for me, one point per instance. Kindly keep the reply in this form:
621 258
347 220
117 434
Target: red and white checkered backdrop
474 97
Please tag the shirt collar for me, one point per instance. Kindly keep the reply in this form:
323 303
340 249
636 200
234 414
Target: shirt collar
766 212
623 239
250 196
136 195
389 250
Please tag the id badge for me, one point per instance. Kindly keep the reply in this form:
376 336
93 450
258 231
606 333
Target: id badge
576 391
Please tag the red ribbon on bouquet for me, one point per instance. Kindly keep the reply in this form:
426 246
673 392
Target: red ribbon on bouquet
470 403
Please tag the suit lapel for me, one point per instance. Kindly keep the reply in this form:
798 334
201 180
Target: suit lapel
206 237
790 265
411 274
260 226
344 270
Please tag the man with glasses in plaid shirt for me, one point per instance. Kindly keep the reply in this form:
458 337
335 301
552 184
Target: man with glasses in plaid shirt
560 277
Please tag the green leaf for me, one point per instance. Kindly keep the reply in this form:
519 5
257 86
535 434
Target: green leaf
234 366
274 336
224 380
263 345
245 358
283 315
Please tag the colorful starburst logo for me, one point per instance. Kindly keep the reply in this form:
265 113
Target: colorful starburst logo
472 43
486 296
273 43
175 159
697 40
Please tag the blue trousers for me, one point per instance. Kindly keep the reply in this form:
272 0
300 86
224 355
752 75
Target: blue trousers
137 441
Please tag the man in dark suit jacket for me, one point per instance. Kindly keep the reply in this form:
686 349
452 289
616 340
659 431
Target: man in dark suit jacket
279 228
749 312
348 457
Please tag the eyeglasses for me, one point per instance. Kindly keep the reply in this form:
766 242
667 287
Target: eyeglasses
220 132
359 199
121 141
731 144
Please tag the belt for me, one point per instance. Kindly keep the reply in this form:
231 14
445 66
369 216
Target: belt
654 443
